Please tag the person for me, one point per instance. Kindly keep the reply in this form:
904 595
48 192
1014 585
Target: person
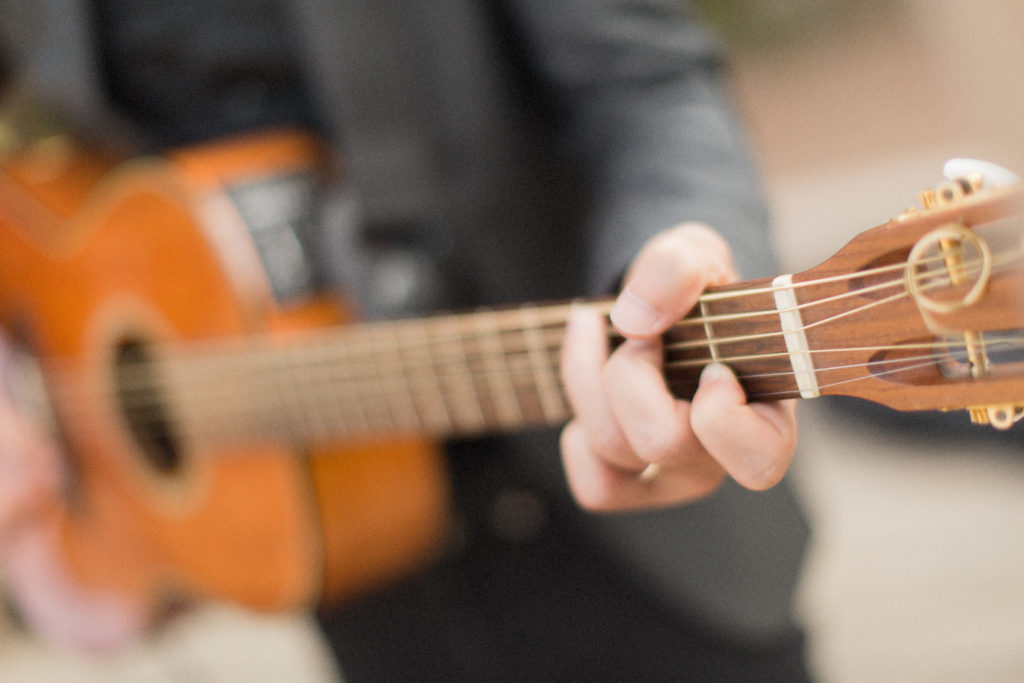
498 152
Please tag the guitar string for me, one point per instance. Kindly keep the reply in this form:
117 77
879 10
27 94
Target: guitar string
703 343
960 353
349 337
698 363
381 422
353 384
720 341
553 341
926 363
820 322
557 314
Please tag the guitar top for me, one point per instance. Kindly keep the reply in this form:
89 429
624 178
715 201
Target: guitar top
109 272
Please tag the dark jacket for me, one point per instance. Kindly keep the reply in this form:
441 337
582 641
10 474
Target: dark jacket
528 148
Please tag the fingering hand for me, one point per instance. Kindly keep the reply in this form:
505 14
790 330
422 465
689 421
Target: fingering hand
632 444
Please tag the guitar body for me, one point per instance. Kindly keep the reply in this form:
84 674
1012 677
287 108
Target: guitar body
103 265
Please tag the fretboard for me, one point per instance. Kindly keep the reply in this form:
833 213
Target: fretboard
454 375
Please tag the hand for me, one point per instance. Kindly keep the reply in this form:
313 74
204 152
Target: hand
632 444
48 597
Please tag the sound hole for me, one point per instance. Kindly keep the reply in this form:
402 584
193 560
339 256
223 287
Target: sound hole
143 408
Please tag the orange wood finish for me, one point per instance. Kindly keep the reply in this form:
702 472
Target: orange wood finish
120 252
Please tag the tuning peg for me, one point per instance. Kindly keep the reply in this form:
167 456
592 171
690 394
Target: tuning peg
1002 416
992 175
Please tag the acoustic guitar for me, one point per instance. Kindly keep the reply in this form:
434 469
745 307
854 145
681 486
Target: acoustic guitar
226 445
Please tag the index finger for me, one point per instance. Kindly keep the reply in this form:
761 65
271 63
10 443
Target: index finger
668 276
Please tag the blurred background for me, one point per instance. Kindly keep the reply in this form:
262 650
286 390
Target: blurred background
917 568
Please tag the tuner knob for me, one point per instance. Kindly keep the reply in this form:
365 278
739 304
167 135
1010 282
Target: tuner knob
991 175
1002 416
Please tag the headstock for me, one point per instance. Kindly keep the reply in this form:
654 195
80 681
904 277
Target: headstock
926 312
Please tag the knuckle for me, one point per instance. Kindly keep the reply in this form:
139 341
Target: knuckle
606 445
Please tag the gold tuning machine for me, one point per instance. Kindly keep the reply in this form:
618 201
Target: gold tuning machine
966 177
951 192
1001 416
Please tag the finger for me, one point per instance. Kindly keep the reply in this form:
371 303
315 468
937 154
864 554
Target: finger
755 442
601 487
584 353
667 277
654 422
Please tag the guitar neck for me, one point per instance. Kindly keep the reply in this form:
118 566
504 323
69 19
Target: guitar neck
454 375
851 326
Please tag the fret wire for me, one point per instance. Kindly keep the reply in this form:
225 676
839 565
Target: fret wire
465 372
283 390
414 419
362 373
552 405
355 409
355 394
708 332
428 366
318 388
379 381
497 371
455 377
277 386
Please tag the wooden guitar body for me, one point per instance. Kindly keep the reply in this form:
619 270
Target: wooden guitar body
102 267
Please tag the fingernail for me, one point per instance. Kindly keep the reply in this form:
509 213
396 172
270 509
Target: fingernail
633 315
713 372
